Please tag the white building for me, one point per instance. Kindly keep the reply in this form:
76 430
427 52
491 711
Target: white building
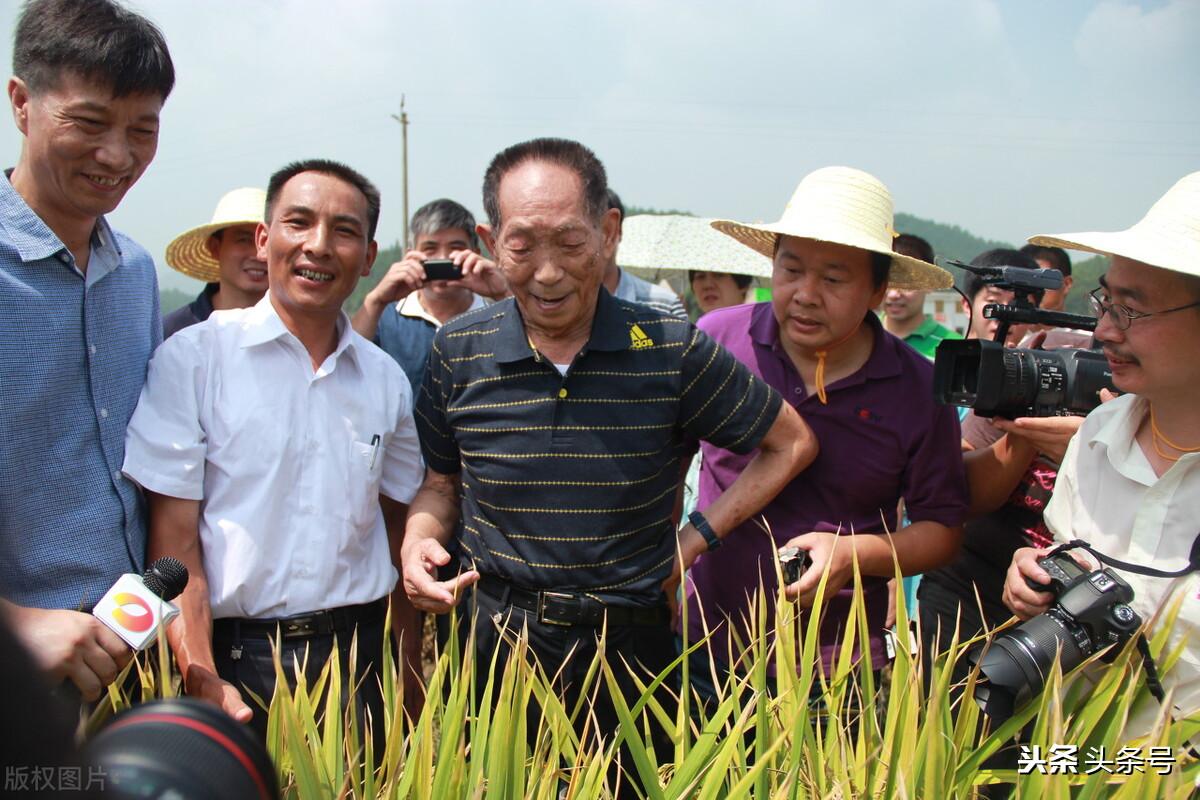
946 307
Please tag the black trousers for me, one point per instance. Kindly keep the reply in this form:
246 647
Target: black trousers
254 668
567 652
941 610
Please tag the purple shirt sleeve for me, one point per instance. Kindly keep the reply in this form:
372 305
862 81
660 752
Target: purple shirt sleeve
934 486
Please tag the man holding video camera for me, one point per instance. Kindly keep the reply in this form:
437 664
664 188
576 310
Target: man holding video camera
1129 484
1011 466
406 308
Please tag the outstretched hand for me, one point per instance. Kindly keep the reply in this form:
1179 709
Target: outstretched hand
424 590
206 685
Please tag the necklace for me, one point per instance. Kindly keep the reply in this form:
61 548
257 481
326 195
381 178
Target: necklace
821 354
1156 436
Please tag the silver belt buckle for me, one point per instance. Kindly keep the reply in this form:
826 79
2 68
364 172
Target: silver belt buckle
300 627
542 608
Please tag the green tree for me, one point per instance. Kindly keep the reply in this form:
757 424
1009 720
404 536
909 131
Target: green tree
383 261
634 210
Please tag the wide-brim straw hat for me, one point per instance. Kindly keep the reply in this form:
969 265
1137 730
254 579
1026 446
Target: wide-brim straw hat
1167 237
844 206
188 253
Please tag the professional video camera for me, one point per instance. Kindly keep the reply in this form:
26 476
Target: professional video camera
1090 612
1011 382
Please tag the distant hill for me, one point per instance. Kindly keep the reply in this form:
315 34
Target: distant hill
1087 277
950 242
171 299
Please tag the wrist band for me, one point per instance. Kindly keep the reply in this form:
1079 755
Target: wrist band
701 524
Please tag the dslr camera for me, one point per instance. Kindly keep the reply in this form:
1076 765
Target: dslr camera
1011 382
1090 612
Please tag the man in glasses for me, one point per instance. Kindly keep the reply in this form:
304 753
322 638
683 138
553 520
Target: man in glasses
1130 481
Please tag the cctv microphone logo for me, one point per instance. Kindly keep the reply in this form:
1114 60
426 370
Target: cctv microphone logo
132 613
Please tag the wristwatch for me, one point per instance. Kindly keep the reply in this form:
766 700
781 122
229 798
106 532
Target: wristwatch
701 524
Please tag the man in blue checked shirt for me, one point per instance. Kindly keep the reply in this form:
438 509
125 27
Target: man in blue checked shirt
79 319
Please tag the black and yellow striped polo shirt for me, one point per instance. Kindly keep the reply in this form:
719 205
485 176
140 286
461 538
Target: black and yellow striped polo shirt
569 481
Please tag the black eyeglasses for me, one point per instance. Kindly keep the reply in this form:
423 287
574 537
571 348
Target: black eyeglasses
1123 316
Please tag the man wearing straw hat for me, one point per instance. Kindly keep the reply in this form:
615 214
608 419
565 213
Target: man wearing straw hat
223 255
1129 484
868 399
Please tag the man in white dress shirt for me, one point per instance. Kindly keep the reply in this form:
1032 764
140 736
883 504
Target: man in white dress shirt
1129 484
278 451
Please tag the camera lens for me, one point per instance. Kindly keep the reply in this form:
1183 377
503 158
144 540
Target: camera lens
1019 387
182 748
1014 666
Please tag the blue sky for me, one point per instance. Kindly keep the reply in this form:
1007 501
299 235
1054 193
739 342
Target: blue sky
1008 118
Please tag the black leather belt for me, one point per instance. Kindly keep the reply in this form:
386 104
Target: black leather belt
314 623
571 608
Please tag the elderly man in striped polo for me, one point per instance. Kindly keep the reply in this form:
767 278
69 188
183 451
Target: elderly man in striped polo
554 427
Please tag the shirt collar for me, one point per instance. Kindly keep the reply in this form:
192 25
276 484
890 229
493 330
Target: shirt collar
411 306
1118 435
34 241
927 327
884 361
263 324
610 329
106 254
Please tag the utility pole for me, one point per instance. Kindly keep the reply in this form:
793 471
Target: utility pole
403 120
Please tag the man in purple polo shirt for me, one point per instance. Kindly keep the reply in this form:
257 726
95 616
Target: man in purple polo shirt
868 398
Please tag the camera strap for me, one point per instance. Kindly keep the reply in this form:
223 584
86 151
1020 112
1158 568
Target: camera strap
1137 569
1153 683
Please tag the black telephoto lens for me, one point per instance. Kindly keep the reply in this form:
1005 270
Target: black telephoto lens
1013 667
181 748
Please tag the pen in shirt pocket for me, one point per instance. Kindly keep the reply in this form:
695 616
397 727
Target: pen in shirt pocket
374 450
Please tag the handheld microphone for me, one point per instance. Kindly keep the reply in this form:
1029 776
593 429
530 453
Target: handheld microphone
137 605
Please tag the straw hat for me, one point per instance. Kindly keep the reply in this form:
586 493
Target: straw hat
188 253
1168 236
844 206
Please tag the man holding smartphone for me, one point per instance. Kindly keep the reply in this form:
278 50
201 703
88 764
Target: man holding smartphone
441 276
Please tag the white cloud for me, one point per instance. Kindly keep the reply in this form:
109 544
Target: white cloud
1125 45
973 111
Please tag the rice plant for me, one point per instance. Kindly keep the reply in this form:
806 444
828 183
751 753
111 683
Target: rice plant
782 727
